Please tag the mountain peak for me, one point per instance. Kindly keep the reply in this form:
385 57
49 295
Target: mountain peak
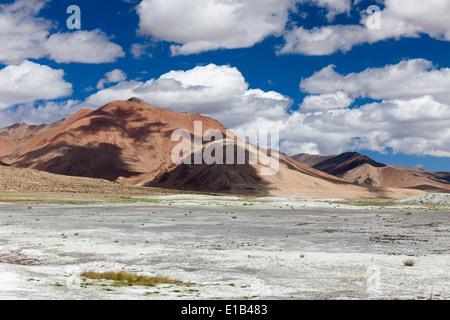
140 101
342 163
349 155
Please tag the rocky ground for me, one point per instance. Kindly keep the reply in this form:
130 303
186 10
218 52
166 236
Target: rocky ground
226 248
19 181
428 198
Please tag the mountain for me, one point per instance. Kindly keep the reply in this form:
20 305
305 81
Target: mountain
439 176
340 165
291 180
310 159
360 169
22 131
129 142
122 139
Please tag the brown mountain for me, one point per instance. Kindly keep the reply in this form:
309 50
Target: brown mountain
129 142
439 176
360 169
22 131
310 159
122 139
291 179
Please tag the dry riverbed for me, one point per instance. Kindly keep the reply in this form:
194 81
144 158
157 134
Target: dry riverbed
225 248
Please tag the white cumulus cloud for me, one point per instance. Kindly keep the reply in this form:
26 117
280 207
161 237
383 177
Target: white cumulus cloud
21 32
24 35
326 101
113 76
44 112
202 25
30 81
418 126
406 80
399 19
218 91
82 47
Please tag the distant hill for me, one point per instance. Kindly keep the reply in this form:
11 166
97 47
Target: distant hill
356 168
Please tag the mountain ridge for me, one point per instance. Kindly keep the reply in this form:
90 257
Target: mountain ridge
360 169
130 142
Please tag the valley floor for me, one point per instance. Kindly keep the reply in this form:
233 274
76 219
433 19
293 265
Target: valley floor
225 248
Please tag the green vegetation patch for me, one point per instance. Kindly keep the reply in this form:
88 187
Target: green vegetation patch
124 278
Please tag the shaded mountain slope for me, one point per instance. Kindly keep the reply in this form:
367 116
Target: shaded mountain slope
359 169
292 179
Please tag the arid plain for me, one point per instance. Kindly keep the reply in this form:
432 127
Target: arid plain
224 247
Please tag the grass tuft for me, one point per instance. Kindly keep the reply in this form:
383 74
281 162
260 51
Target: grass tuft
123 278
409 262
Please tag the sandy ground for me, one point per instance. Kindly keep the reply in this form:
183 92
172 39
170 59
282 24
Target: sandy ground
225 248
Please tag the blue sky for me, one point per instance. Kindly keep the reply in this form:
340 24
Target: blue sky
312 69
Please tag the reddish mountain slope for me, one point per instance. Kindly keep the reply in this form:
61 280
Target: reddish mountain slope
120 140
130 142
356 168
21 131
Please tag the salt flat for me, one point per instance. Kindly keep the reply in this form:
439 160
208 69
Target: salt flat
225 248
